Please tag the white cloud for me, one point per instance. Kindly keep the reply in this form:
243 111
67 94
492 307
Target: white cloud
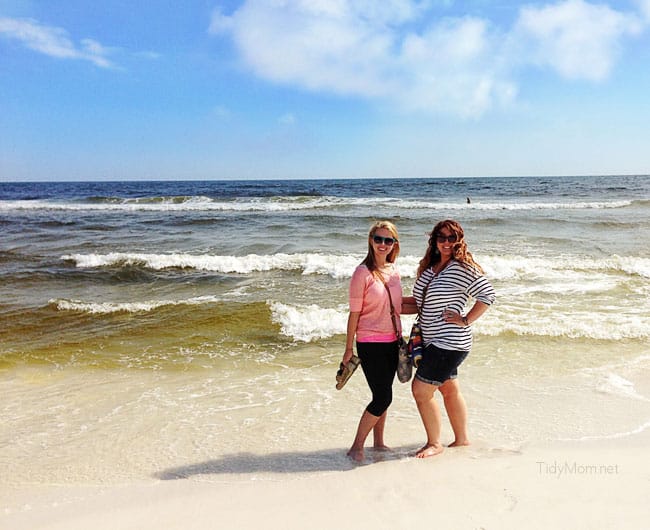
317 45
361 48
454 66
53 41
395 51
578 39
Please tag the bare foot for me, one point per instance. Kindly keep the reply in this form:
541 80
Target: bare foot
356 454
381 447
459 444
429 450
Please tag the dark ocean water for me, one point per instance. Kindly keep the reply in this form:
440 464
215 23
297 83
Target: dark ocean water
87 256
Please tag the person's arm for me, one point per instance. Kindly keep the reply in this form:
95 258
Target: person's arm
475 313
472 315
409 306
481 290
483 293
353 321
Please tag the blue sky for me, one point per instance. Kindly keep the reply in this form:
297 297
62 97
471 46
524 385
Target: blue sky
322 89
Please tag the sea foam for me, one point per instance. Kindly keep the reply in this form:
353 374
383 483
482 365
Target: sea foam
293 203
518 267
342 266
97 308
309 322
548 320
307 263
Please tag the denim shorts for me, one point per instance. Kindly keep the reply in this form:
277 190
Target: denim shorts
438 365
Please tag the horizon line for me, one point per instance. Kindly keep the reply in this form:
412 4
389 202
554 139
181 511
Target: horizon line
289 179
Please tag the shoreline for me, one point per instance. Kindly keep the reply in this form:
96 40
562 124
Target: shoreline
563 485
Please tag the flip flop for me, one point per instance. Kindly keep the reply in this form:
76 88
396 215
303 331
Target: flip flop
346 371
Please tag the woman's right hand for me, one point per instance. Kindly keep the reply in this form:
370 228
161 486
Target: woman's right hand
347 356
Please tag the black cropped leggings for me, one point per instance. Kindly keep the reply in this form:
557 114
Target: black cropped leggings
379 364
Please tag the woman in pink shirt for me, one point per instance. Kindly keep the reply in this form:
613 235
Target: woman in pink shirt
370 322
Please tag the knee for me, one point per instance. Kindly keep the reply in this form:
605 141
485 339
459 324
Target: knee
450 389
381 403
421 392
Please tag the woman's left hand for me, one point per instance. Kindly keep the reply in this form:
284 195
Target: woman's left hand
452 317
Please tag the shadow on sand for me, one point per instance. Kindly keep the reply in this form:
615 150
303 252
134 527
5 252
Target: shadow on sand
289 462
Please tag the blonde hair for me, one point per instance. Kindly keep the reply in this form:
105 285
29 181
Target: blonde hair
369 260
460 252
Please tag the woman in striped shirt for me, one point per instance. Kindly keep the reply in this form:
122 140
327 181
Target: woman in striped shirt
447 279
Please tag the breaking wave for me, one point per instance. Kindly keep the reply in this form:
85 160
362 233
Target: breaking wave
291 203
496 267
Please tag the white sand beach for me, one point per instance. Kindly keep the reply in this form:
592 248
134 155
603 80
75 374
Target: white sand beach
599 485
90 464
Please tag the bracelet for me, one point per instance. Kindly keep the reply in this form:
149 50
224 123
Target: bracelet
465 321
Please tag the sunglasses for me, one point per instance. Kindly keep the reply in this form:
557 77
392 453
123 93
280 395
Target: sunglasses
385 240
450 239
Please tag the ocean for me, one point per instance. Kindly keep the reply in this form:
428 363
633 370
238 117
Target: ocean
158 329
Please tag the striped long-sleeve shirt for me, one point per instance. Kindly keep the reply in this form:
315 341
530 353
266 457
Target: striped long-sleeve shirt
450 289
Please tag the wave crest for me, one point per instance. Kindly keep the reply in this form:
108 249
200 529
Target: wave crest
579 269
335 266
104 308
292 203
